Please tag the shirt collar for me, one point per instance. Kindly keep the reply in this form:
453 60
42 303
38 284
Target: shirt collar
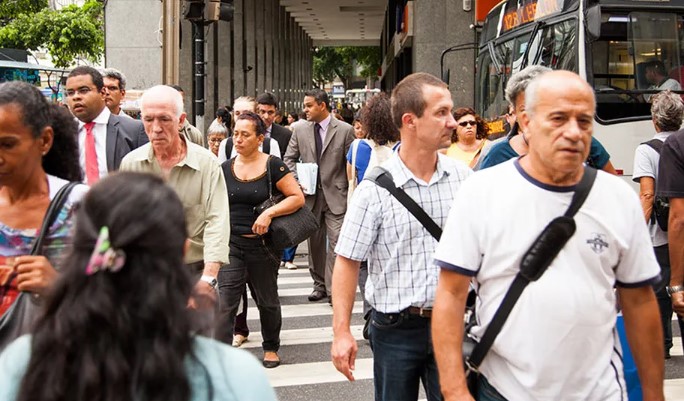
663 135
325 123
402 174
191 158
102 118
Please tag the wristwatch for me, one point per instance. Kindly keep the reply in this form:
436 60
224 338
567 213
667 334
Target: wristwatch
210 280
673 289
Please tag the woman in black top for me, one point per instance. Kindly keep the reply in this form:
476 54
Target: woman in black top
252 258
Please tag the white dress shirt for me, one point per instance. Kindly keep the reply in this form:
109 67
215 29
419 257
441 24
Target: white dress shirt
100 134
274 151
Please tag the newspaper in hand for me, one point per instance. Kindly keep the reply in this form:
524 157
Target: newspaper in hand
307 173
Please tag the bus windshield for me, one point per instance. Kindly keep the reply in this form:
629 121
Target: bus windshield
637 54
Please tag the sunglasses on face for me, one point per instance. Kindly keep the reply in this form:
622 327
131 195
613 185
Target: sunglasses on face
464 123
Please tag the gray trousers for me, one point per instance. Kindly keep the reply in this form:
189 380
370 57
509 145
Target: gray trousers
322 245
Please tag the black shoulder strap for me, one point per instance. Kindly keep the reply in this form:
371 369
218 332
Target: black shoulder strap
229 147
655 144
51 215
385 180
266 147
522 280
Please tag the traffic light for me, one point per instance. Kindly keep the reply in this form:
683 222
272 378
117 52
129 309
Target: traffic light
219 10
193 10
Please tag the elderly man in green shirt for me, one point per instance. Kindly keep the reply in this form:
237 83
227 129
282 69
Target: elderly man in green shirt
196 176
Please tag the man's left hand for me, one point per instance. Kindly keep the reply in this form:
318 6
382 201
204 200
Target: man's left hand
678 302
204 296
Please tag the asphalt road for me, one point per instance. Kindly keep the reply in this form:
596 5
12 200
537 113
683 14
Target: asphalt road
306 373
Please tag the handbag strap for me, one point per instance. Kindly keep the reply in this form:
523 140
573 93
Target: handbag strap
268 177
385 180
520 282
51 214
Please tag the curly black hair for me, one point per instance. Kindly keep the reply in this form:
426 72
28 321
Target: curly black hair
482 126
37 113
376 118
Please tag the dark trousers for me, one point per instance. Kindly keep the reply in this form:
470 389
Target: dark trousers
485 391
241 319
403 357
664 301
253 262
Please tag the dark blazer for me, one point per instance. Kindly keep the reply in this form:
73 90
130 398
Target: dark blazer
123 135
282 136
333 164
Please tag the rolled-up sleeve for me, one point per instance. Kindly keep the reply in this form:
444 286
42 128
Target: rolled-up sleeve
217 229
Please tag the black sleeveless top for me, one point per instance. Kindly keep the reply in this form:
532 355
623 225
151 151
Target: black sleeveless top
244 195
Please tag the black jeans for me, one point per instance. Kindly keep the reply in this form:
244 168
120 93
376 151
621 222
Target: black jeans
253 262
664 301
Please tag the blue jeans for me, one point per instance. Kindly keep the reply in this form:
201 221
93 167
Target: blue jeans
403 357
485 391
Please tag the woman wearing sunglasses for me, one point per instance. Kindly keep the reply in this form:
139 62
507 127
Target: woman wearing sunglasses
469 137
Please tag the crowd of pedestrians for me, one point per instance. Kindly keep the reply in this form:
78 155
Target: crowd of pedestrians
128 247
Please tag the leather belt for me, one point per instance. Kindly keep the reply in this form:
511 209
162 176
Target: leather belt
422 312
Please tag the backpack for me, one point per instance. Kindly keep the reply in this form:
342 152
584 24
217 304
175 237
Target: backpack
661 204
265 147
380 153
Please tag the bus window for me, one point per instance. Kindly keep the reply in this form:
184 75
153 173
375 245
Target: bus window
558 48
629 43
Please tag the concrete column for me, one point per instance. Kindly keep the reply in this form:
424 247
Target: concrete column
260 44
268 35
250 46
238 50
278 54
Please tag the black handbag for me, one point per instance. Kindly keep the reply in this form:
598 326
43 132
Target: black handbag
19 318
534 263
288 230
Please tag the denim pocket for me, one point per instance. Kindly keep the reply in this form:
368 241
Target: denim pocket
384 321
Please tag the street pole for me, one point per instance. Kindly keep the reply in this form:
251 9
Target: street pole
199 45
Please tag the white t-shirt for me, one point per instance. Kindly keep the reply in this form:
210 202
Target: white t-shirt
646 165
559 341
274 151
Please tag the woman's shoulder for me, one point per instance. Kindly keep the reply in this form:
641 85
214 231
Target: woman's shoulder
75 196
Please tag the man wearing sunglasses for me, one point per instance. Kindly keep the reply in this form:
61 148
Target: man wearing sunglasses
103 138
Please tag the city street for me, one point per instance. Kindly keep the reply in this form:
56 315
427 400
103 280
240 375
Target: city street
307 374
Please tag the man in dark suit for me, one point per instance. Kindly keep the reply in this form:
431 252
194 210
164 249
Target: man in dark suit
267 108
323 140
103 138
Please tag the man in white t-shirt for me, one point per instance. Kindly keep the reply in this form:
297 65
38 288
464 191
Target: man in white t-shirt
667 110
559 341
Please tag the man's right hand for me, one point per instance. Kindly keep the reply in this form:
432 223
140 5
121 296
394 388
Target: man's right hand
678 302
343 353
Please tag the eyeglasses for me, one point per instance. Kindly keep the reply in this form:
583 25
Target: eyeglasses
215 140
82 91
464 123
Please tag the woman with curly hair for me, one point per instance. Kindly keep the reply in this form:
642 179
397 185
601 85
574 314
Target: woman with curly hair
117 326
38 156
469 137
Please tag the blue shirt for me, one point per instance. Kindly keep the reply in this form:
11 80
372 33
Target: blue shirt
502 151
235 375
363 155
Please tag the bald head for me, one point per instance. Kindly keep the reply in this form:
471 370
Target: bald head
558 81
162 94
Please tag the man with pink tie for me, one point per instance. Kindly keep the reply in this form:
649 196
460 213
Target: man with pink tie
103 138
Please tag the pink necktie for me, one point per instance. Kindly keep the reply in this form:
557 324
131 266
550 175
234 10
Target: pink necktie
91 167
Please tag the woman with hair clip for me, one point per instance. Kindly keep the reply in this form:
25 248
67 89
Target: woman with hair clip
38 156
116 325
253 259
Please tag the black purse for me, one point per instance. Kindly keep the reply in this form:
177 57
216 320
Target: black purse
288 230
19 318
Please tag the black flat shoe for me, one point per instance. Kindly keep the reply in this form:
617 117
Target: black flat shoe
271 364
317 295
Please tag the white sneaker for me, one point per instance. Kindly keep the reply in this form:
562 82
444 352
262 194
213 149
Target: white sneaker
238 340
282 264
290 266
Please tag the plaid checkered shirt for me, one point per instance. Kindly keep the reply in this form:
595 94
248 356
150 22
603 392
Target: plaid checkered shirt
399 250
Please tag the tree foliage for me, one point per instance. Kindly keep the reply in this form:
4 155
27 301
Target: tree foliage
11 9
331 62
66 34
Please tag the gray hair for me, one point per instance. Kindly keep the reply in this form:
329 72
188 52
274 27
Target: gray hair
667 110
518 82
246 99
217 128
115 74
163 92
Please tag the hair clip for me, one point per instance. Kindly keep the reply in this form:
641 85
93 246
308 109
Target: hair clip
105 257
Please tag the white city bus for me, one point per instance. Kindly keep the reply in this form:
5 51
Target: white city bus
359 97
607 42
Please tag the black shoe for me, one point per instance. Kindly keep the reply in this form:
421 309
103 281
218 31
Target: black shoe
270 364
330 301
317 295
667 355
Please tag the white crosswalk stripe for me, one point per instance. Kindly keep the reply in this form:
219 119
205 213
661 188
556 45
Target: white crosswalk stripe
308 374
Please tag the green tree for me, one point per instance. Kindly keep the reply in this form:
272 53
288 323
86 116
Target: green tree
66 34
11 9
331 62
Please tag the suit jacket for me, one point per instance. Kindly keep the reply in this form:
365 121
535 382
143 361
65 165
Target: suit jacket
123 135
282 135
332 168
